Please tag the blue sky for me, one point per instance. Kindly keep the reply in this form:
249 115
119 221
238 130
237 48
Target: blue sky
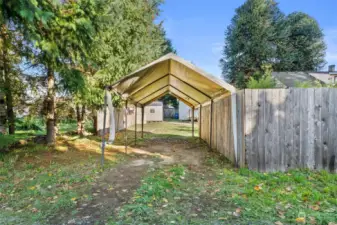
197 27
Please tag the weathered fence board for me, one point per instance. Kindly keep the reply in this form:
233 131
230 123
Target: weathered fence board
291 128
222 139
240 113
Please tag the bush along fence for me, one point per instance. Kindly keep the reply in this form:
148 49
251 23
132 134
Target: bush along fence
274 129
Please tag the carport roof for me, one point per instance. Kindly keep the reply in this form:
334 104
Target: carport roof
172 75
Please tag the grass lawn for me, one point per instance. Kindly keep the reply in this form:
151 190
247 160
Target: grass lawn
38 183
64 127
218 195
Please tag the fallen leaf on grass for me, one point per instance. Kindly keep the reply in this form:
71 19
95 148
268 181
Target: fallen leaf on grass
258 188
332 223
300 220
244 196
281 214
222 218
312 220
34 210
278 223
314 207
237 212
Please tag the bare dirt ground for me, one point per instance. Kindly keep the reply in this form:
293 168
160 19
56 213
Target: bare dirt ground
116 186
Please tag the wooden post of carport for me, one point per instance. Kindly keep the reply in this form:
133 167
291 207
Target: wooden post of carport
200 121
211 126
142 121
135 124
126 127
192 121
104 126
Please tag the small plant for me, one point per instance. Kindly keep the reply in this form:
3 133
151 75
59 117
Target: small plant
29 123
266 81
262 80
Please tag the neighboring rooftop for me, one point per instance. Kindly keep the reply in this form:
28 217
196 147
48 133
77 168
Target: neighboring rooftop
290 79
156 103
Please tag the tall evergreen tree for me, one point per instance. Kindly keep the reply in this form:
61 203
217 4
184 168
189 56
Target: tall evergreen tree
303 47
63 41
250 40
128 38
260 34
16 17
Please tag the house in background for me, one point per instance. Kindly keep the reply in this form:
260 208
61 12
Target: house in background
292 79
185 112
154 112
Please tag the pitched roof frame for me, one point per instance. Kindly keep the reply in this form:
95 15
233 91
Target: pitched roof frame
171 74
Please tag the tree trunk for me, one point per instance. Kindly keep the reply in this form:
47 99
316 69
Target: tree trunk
2 110
9 103
80 112
94 117
7 83
51 107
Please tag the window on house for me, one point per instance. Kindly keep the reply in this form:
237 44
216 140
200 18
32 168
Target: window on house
152 111
2 101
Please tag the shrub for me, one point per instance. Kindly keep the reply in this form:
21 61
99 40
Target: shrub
29 123
266 81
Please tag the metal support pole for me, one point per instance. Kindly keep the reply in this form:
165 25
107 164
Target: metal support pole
135 124
200 121
142 121
126 127
104 127
211 126
192 121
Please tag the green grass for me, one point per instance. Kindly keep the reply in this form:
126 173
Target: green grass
215 195
38 182
23 134
153 193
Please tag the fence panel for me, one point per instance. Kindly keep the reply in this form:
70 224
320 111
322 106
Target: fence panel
222 139
291 128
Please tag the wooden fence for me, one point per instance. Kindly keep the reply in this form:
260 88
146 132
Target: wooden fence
291 128
219 135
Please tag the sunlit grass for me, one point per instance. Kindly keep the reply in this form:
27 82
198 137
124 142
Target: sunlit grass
39 182
220 194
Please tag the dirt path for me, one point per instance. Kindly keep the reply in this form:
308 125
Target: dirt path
116 186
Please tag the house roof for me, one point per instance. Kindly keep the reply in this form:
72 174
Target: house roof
156 103
172 75
290 79
325 77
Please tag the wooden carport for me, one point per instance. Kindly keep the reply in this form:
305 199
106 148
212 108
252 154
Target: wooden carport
172 75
